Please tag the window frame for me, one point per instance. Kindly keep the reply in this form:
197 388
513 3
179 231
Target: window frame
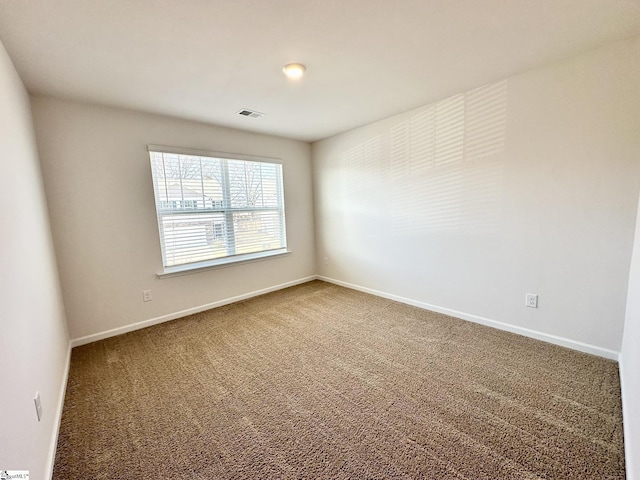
227 260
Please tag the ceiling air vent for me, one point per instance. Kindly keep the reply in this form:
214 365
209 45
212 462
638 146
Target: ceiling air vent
250 113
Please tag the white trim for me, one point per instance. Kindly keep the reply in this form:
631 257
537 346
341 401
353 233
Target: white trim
209 153
554 339
183 313
626 413
223 262
582 347
545 337
59 407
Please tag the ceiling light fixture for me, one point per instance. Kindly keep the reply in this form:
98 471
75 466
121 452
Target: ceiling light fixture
294 70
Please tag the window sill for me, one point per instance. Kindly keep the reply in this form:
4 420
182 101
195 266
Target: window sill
220 263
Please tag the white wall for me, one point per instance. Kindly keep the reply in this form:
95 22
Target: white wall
630 365
100 195
433 207
34 344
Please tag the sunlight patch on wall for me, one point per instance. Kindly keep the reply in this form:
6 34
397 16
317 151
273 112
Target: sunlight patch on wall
439 169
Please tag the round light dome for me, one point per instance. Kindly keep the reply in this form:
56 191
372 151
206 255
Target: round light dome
294 70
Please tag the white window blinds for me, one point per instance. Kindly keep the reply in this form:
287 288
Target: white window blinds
215 210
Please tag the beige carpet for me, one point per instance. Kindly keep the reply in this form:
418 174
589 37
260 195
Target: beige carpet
318 381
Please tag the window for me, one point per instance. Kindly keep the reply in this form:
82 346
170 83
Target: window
215 210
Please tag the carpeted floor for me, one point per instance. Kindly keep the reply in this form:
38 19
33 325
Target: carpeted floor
318 381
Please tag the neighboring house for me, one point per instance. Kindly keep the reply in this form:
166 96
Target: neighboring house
199 232
192 194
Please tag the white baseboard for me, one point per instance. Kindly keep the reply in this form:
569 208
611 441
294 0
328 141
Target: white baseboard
556 340
564 342
629 445
58 412
183 313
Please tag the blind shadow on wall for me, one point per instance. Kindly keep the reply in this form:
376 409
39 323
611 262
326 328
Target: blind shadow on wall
438 169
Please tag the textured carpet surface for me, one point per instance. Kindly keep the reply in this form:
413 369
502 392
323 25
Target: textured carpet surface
318 381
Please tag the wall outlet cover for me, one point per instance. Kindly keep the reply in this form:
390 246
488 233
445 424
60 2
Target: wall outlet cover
38 404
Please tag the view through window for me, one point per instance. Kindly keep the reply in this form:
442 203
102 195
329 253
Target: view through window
216 210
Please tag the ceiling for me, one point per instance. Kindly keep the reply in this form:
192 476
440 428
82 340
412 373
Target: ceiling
366 59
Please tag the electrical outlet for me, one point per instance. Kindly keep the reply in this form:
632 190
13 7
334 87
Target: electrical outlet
325 261
38 404
531 300
146 295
